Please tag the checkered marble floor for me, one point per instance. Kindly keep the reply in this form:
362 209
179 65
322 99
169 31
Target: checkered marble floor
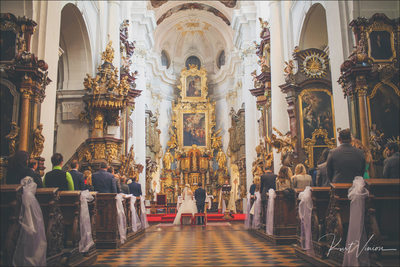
214 245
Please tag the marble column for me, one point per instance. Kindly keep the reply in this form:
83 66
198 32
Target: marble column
280 118
48 34
337 28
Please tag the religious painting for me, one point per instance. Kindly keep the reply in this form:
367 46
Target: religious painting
384 109
194 129
316 112
193 86
381 45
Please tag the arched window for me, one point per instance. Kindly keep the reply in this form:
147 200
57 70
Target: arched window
165 59
221 59
193 60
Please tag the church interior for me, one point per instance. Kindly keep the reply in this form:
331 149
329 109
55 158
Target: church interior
148 132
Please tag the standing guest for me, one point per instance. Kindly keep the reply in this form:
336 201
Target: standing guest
87 176
103 181
124 186
283 179
345 162
33 164
110 169
200 197
57 177
77 177
301 179
135 188
391 164
322 176
18 168
268 181
367 154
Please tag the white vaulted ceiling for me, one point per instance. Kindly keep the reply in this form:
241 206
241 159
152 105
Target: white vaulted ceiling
199 32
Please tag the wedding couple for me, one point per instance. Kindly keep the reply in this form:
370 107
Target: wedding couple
190 204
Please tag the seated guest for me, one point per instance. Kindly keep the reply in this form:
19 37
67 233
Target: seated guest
110 169
57 177
322 176
87 176
77 177
391 164
18 168
301 179
345 162
135 188
283 179
124 186
103 181
33 164
252 190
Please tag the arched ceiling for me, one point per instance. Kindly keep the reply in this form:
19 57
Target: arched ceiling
158 3
200 28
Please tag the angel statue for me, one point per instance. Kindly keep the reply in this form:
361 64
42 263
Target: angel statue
12 138
38 142
172 143
167 160
285 144
216 141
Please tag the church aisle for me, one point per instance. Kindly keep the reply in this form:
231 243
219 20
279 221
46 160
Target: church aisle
217 244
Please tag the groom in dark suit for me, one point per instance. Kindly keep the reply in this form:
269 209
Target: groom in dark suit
200 196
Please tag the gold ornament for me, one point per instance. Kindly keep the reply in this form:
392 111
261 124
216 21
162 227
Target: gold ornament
38 142
12 138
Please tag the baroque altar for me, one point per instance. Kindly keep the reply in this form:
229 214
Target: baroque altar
194 151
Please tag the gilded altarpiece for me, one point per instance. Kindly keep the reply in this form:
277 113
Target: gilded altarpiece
262 91
23 80
370 79
194 151
308 92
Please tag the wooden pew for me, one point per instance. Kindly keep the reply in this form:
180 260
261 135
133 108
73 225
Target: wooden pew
320 198
70 206
48 199
93 215
382 220
337 219
285 222
107 234
10 207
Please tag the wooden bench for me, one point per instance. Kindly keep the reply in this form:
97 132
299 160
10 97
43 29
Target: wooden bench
382 219
10 207
320 198
337 219
48 199
187 215
199 215
107 234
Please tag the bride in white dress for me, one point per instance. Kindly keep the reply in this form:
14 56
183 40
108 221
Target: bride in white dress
188 204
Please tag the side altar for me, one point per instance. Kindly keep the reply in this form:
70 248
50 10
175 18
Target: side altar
194 151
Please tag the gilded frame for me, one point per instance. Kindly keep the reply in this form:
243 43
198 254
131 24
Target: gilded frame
380 26
301 115
193 71
185 109
310 145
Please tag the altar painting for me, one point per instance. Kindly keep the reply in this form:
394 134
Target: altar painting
384 109
316 112
194 129
193 86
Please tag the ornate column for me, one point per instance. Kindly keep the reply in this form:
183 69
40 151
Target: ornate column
278 102
361 91
26 94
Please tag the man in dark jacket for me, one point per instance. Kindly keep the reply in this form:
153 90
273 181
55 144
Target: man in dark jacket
77 177
268 181
200 197
391 165
33 164
135 188
103 181
57 177
345 162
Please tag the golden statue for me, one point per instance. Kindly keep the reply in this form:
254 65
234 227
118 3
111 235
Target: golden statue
194 155
172 143
98 122
216 141
38 142
221 159
108 55
168 159
12 138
